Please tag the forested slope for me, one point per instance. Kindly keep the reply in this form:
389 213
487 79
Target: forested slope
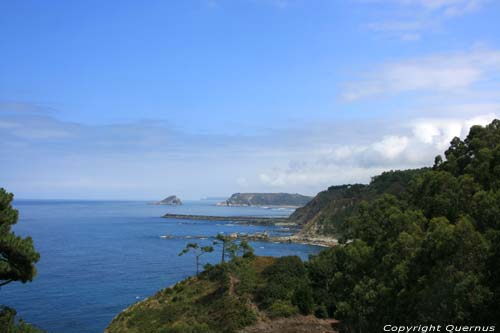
430 255
418 247
248 292
325 214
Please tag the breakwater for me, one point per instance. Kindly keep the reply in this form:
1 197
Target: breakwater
257 220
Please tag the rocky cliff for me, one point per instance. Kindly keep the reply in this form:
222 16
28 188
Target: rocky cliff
171 201
266 199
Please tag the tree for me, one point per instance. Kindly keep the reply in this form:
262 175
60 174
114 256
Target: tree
9 324
198 252
286 281
428 255
230 248
17 254
245 249
226 243
303 298
17 261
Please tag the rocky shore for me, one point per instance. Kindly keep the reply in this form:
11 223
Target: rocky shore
265 237
259 236
317 240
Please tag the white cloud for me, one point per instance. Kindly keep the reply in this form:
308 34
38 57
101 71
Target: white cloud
482 120
406 30
437 132
423 139
426 132
391 146
146 160
443 73
448 7
410 19
317 178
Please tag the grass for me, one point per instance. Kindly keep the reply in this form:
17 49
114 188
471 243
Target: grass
221 300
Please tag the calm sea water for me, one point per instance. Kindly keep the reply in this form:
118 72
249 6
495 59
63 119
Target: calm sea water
98 257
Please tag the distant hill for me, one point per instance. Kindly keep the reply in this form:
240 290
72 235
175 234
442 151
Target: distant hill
324 214
170 201
266 199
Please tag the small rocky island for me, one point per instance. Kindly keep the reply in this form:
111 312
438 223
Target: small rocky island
170 201
266 199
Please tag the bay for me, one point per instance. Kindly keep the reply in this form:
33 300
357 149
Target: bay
98 257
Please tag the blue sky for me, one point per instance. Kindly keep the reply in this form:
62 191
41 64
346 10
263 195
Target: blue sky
139 100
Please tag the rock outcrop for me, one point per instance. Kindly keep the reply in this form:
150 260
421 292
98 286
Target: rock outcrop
266 199
170 201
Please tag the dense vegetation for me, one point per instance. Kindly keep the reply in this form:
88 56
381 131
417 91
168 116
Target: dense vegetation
239 291
326 213
223 298
429 255
17 262
418 247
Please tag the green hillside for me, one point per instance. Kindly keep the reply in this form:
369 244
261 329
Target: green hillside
419 247
224 298
428 255
326 212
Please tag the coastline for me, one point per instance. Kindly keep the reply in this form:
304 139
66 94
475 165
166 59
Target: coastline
224 204
264 237
322 241
297 238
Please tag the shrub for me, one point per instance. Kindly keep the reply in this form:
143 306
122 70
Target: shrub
281 309
217 273
286 267
302 298
182 327
9 324
321 311
282 278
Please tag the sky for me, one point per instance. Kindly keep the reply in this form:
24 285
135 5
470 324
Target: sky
134 100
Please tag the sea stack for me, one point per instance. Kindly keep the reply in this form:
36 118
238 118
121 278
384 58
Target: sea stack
170 201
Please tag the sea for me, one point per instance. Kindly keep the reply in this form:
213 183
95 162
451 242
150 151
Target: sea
99 257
